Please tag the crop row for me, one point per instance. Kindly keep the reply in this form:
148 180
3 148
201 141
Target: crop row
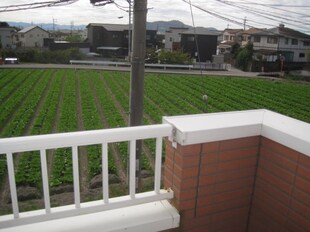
22 90
18 125
28 171
62 161
122 98
11 104
91 120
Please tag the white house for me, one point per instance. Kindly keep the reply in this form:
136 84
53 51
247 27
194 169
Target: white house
32 37
281 41
173 38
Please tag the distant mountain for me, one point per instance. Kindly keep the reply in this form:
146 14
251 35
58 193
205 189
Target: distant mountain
46 26
160 26
163 26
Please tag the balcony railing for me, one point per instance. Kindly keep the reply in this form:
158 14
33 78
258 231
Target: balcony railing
42 143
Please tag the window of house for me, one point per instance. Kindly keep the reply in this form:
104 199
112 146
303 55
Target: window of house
226 37
306 43
256 39
232 38
114 36
302 55
286 40
294 41
148 37
191 38
22 36
272 40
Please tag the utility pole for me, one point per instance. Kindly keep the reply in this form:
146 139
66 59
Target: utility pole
137 74
244 23
54 20
129 31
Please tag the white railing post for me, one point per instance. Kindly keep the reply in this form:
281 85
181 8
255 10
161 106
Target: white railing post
10 164
76 182
105 173
158 157
74 140
132 169
45 181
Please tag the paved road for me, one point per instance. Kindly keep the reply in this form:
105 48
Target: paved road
232 72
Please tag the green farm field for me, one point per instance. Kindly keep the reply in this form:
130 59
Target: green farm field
36 101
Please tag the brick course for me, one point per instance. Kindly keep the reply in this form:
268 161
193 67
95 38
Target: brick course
249 184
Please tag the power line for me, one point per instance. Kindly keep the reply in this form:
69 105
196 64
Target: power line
36 5
266 14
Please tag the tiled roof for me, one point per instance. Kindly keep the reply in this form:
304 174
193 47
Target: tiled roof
110 27
284 31
233 31
27 29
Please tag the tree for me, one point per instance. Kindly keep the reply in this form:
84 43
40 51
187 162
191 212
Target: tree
244 57
74 38
174 57
4 24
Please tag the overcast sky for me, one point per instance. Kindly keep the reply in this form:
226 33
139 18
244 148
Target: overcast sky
220 15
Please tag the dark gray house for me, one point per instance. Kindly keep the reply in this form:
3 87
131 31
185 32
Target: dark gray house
111 40
207 43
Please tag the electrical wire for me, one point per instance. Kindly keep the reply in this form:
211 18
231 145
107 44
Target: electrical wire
204 96
266 14
240 22
36 5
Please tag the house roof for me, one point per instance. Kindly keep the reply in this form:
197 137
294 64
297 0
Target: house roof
253 30
200 31
110 27
284 31
233 31
27 29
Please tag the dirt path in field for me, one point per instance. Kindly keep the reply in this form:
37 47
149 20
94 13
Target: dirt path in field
120 169
126 118
83 159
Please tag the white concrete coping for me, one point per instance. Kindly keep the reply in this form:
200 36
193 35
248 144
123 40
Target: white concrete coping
210 127
154 216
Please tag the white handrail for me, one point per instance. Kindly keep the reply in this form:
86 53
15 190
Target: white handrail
42 143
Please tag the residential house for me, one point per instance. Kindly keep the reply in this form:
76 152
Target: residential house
247 35
228 39
7 36
281 43
206 43
53 45
173 38
31 37
232 35
112 39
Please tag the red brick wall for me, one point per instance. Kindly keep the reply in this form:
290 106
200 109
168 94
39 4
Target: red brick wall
281 200
252 184
213 183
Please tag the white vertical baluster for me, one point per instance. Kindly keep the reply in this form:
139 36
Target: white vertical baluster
132 169
9 160
76 182
105 173
45 181
158 159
